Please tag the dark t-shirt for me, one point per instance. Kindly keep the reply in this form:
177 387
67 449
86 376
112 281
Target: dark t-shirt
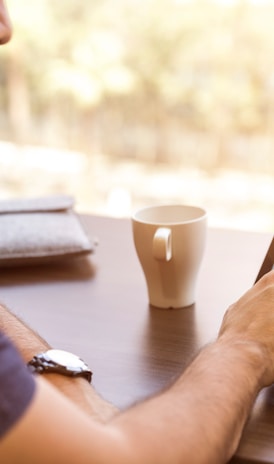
17 385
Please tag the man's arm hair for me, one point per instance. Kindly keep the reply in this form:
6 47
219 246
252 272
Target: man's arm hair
198 420
30 343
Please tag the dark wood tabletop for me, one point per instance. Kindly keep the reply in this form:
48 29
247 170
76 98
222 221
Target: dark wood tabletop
97 307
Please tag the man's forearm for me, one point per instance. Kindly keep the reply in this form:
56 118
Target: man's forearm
198 420
201 417
189 414
27 341
30 343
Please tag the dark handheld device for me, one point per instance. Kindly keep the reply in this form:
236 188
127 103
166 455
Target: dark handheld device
268 261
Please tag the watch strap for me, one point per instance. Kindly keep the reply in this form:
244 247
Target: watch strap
39 365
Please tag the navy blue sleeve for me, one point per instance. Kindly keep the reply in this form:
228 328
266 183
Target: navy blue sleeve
17 385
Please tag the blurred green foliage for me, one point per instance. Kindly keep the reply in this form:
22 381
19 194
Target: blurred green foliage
111 74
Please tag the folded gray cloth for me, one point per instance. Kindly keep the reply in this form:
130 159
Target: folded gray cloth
37 230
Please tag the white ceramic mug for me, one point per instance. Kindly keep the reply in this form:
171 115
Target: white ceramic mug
170 242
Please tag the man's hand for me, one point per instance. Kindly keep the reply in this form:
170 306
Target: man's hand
198 419
251 321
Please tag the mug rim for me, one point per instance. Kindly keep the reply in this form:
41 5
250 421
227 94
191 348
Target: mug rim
202 214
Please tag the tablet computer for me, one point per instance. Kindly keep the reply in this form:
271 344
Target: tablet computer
268 262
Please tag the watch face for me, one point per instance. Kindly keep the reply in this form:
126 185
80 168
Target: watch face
64 358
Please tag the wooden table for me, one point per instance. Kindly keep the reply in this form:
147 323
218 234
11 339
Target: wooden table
97 307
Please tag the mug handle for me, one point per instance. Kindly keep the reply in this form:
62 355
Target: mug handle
161 246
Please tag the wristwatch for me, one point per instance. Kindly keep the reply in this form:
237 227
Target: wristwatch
61 362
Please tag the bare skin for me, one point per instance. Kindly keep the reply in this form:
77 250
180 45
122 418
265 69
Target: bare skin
194 420
29 343
5 24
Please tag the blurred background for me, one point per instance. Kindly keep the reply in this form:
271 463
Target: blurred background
128 103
